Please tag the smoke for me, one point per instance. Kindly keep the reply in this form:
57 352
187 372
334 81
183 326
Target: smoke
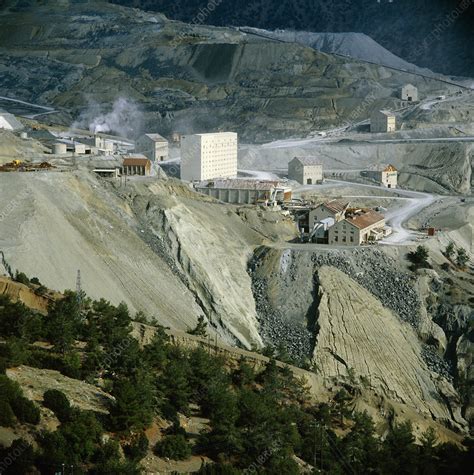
125 118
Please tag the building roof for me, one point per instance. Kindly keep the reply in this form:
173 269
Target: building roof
9 121
390 168
213 134
308 161
364 218
335 206
386 113
135 156
236 184
101 163
136 162
156 137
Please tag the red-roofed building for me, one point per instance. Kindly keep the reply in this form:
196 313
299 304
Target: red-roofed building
359 226
136 166
331 209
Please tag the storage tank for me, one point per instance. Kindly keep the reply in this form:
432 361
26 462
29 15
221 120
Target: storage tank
59 148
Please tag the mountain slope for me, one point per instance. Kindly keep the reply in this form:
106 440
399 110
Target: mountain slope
354 45
184 78
431 34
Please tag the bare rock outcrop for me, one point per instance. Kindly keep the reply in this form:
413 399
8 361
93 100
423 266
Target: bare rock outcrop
357 335
35 382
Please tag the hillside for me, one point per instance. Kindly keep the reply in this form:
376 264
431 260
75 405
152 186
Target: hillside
354 45
401 26
83 387
151 241
170 76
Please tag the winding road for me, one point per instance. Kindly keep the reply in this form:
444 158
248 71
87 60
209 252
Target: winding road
412 203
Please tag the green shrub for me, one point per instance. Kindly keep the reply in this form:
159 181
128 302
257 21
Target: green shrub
7 418
138 447
9 390
22 278
58 403
175 447
419 258
25 410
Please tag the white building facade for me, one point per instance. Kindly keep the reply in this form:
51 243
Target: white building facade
154 146
209 156
305 170
409 93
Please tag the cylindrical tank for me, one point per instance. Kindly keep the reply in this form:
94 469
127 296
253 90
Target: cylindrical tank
23 135
59 148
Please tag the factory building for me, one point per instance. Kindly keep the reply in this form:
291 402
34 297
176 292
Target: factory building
358 227
136 165
9 122
208 156
383 121
106 168
99 144
409 93
305 170
80 148
333 209
387 177
240 191
154 146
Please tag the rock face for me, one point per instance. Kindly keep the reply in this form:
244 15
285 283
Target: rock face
61 222
350 307
21 293
209 253
184 78
356 333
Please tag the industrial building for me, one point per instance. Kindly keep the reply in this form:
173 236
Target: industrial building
106 168
154 146
136 165
387 177
383 121
409 93
333 209
358 227
59 148
9 122
241 191
209 156
99 144
305 170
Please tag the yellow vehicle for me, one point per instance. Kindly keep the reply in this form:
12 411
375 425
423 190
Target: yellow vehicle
16 163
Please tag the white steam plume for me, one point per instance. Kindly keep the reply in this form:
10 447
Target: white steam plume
125 118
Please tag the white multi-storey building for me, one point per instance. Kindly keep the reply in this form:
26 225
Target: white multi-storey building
209 156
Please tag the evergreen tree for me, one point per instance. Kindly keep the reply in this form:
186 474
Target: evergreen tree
134 402
462 258
399 453
175 383
64 322
58 403
449 250
361 446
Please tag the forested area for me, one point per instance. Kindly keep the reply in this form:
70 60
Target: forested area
261 419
